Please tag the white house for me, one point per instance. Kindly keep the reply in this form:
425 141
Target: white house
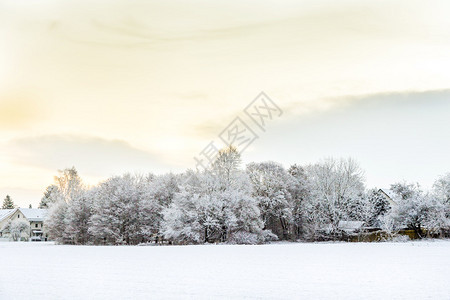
33 215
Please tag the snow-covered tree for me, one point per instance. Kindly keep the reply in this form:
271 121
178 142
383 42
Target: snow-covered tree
227 204
58 197
405 190
336 193
441 189
68 183
17 229
55 221
271 184
417 210
77 217
123 211
50 196
215 205
300 192
204 212
8 203
193 216
234 190
376 207
244 224
226 166
163 188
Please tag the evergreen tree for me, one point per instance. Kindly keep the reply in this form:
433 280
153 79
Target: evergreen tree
8 203
378 205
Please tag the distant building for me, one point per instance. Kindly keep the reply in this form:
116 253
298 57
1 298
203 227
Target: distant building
390 196
33 215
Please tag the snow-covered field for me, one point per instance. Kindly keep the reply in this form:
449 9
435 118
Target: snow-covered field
413 270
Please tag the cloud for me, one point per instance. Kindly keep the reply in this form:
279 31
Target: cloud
91 155
152 24
367 101
209 129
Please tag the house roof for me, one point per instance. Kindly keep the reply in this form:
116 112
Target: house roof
34 214
392 197
389 193
4 213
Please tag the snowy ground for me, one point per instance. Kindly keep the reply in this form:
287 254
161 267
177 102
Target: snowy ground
414 270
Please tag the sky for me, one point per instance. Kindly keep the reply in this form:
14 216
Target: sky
143 86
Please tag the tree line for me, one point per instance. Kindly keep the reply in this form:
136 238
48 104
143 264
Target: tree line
230 204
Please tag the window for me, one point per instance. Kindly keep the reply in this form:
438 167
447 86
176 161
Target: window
36 225
18 216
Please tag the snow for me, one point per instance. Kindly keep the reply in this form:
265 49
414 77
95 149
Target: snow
413 270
